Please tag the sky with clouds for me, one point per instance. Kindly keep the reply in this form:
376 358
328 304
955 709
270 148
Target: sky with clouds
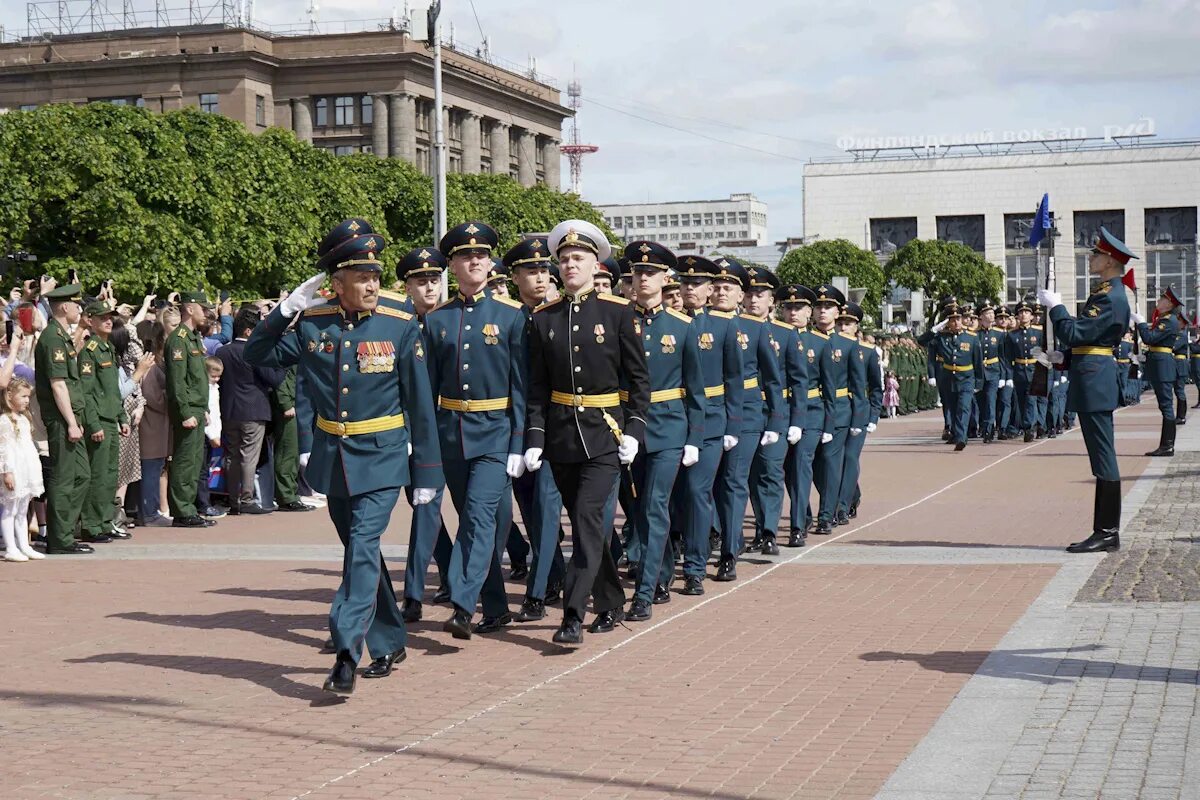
692 99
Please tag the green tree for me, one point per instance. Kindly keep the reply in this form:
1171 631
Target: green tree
820 261
944 268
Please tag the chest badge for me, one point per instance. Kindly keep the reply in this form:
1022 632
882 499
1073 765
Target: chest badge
87 368
637 326
965 347
837 355
59 355
599 331
312 346
812 355
743 340
552 334
668 343
706 341
491 333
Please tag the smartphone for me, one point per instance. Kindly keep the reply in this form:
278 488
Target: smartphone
8 330
72 276
25 318
224 295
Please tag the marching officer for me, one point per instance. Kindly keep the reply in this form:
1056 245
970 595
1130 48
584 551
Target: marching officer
835 395
1181 350
721 358
675 421
421 272
1022 341
363 365
1124 367
1194 363
583 348
1093 383
962 361
1160 338
796 305
60 396
478 372
187 406
104 419
1004 391
991 342
866 402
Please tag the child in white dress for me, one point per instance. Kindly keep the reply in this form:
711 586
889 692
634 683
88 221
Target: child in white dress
20 472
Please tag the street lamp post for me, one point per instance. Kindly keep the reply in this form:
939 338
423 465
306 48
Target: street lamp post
439 136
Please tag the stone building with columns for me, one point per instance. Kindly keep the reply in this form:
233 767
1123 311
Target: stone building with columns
368 91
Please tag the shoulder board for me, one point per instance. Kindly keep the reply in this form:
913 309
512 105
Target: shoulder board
319 311
393 312
91 345
970 333
721 314
612 298
393 295
866 346
679 315
181 332
818 333
508 301
752 318
784 325
544 306
444 303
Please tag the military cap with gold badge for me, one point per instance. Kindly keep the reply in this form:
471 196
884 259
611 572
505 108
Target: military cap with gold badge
420 261
72 292
649 254
531 253
469 237
828 293
795 294
579 233
361 252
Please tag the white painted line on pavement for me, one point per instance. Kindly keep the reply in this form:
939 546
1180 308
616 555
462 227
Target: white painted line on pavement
650 629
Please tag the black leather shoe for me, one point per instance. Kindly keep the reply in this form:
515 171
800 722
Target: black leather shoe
726 570
531 610
95 538
756 544
796 539
459 624
341 678
945 434
519 572
639 611
840 519
553 594
823 529
382 667
635 572
412 610
960 446
1098 542
493 624
74 549
294 506
1002 437
1029 436
569 632
769 547
605 621
693 585
116 532
662 595
194 521
442 597
328 648
853 511
253 509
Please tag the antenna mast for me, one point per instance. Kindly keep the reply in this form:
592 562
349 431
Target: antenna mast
574 150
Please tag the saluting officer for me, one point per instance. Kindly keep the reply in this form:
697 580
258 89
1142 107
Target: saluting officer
991 342
796 305
675 421
767 467
583 347
60 397
1159 339
721 358
363 366
187 407
421 272
835 394
1093 383
866 402
104 419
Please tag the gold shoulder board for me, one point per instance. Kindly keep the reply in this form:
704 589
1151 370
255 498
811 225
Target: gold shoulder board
393 312
679 315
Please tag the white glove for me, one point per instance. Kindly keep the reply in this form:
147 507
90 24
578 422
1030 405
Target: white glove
304 460
303 297
856 431
1063 379
794 434
728 442
627 450
826 438
410 448
516 465
1049 299
932 381
871 426
533 459
1056 356
1137 318
691 454
938 327
1009 382
768 438
1141 358
423 496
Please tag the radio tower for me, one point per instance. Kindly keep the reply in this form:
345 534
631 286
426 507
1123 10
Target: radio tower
573 150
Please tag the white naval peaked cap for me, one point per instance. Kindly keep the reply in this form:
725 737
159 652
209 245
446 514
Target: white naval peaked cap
579 233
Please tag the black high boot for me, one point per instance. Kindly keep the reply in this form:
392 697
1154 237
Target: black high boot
1166 440
1106 521
1180 411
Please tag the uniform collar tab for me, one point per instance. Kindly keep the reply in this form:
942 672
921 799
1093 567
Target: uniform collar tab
472 299
579 298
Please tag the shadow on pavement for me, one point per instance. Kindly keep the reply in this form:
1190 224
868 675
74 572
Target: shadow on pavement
1037 665
323 596
919 543
268 676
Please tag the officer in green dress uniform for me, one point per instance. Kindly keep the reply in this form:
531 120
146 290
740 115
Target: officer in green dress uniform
866 403
1004 392
1159 339
1181 349
991 342
478 370
962 361
104 421
1022 341
187 407
285 441
1093 382
1194 364
674 423
363 364
796 305
835 394
60 397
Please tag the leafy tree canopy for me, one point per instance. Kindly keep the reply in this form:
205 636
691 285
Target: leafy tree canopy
945 268
820 261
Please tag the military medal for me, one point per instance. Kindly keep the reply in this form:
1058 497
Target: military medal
312 346
599 331
812 355
491 333
775 345
668 343
706 341
743 340
837 355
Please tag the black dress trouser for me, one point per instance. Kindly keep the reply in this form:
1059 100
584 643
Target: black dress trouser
585 487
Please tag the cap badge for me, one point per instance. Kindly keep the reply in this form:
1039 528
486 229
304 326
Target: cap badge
371 244
645 248
423 254
353 226
472 229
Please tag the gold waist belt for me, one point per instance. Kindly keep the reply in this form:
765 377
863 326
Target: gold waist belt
1166 350
375 425
450 404
660 396
956 368
714 391
1092 351
750 383
586 400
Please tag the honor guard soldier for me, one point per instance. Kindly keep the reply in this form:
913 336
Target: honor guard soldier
675 421
1022 342
991 342
420 270
962 361
364 366
796 305
767 467
541 505
721 358
1093 382
187 407
834 369
583 348
1181 349
1159 338
104 420
60 395
1004 389
866 403
478 371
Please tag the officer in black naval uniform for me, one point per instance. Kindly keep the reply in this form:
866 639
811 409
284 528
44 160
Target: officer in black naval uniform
583 348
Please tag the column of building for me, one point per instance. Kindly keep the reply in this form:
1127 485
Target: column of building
551 162
500 157
302 119
471 147
380 133
402 127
